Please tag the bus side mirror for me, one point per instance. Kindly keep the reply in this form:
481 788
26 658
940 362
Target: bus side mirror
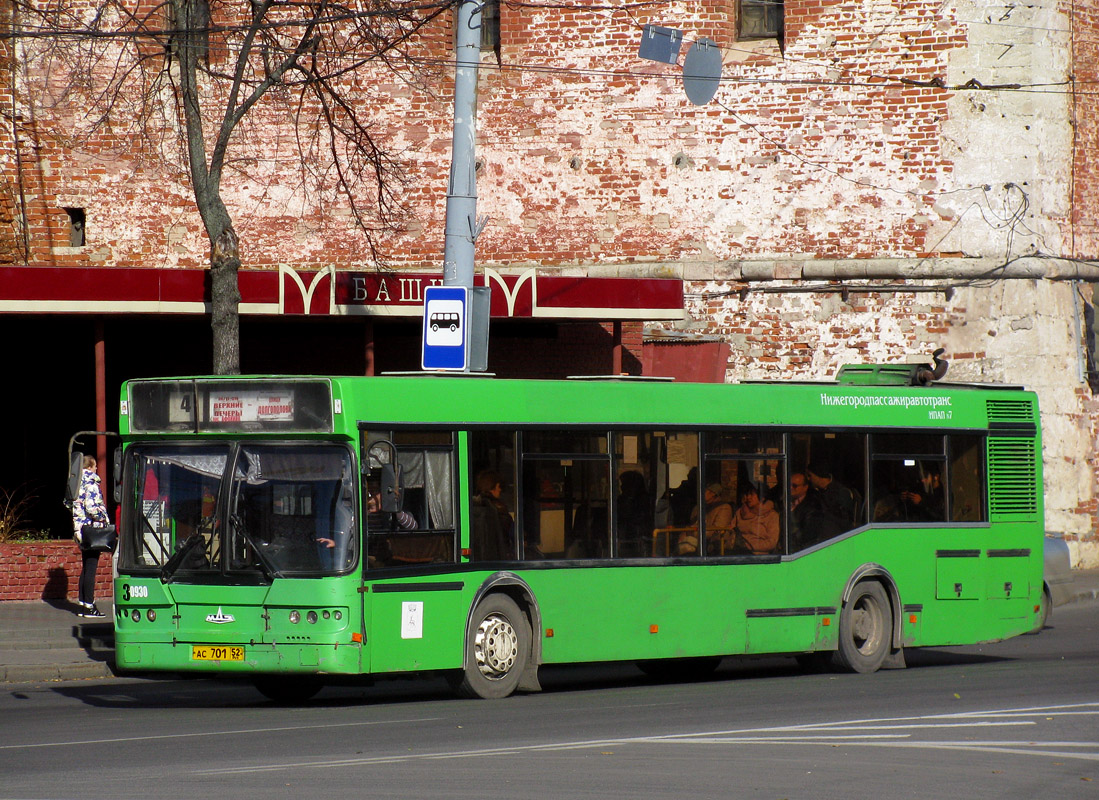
118 474
391 489
72 486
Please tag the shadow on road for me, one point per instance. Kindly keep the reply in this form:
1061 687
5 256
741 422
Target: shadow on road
179 691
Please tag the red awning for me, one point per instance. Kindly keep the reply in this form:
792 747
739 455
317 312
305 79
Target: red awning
330 292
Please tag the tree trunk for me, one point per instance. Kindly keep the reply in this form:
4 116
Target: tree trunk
224 300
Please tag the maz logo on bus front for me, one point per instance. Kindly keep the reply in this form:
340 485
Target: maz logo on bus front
220 618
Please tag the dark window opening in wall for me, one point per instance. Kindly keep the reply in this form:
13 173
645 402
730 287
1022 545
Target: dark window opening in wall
77 223
490 26
760 19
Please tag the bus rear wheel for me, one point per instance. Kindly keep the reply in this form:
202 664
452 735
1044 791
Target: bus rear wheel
497 649
866 629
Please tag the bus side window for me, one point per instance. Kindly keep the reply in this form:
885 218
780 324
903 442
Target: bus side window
565 495
906 480
835 466
423 530
493 527
967 478
743 499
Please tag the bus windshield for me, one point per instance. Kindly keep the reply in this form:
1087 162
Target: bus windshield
270 509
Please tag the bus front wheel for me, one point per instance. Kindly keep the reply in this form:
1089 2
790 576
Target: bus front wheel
497 649
866 628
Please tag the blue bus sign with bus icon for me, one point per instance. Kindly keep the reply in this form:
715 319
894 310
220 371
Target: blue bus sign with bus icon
444 319
445 339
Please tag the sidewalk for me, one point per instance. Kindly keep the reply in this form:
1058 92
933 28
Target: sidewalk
46 640
42 640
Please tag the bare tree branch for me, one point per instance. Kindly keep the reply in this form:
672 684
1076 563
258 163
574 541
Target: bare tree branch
199 70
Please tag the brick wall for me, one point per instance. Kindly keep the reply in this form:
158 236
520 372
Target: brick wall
1084 232
47 571
588 154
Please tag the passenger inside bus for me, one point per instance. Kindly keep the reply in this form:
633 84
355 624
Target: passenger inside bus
911 491
799 508
683 499
635 516
493 529
718 519
756 523
381 524
836 504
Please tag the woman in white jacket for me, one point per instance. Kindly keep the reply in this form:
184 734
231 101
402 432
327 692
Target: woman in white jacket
88 507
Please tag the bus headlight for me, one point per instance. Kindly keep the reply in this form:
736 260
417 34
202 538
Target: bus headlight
151 615
135 615
311 617
295 617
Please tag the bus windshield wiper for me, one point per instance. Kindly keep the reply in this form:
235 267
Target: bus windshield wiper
268 568
156 538
168 571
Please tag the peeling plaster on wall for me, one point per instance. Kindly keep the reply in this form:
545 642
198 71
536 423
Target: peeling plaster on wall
1007 144
1025 332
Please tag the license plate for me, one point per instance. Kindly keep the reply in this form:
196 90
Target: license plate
216 652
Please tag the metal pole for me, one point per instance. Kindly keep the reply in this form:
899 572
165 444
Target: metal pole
616 349
101 399
461 198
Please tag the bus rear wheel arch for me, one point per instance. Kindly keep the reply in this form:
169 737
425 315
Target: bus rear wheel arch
497 649
865 629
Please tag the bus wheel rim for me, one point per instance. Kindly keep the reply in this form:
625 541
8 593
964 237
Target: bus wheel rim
495 647
866 627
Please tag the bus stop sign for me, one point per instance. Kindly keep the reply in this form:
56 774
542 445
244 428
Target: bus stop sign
446 328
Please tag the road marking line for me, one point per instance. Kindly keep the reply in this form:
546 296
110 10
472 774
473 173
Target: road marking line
828 734
200 734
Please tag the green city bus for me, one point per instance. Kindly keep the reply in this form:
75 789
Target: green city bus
297 530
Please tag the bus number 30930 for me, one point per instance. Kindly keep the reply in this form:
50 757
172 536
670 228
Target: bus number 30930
134 592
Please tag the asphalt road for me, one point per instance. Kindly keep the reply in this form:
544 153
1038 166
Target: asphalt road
1017 719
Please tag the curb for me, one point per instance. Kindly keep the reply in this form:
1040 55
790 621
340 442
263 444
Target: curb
31 673
1084 596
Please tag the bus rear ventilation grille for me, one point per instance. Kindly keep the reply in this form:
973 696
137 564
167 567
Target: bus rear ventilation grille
1012 472
877 374
1009 410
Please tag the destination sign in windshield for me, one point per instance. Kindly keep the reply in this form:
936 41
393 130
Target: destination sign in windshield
232 404
251 406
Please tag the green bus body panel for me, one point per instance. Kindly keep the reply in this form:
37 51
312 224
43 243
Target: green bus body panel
516 403
254 617
427 400
953 585
417 625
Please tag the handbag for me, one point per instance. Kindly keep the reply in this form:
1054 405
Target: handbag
99 537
